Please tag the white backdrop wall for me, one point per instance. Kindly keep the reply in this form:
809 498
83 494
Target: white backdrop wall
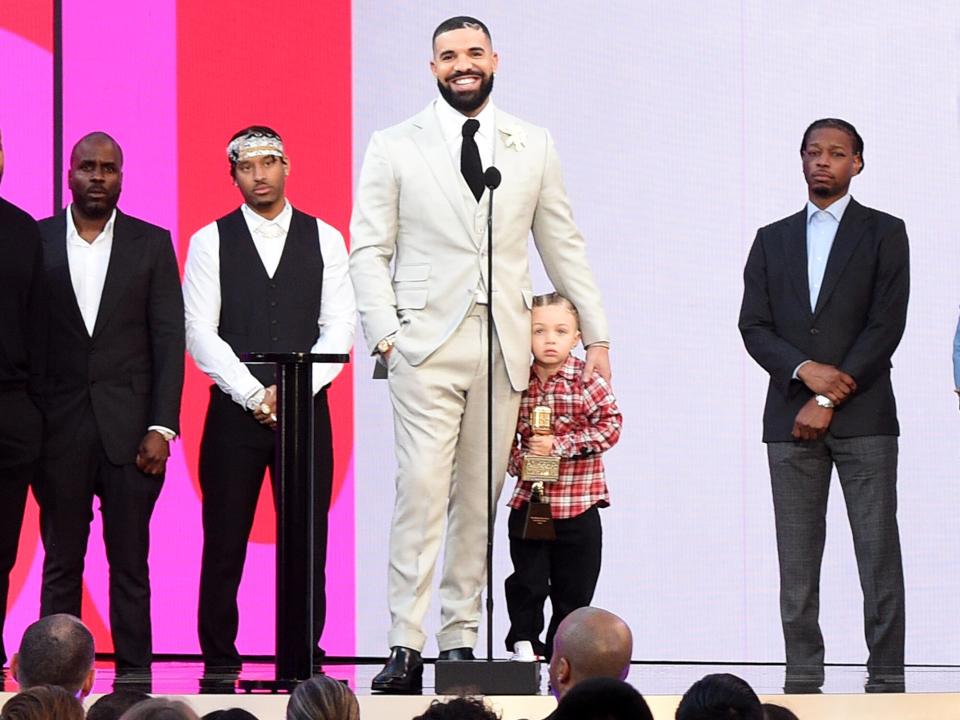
679 126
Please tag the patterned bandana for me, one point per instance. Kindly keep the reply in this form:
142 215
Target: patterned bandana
254 144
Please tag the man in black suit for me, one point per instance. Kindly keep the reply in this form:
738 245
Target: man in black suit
20 422
824 307
110 394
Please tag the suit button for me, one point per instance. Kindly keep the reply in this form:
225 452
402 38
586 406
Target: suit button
275 339
273 303
273 322
814 331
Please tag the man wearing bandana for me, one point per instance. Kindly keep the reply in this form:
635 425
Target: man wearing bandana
267 277
422 205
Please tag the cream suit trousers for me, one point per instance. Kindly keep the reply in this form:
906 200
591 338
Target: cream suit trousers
440 423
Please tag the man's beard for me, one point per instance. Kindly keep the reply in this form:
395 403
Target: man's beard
97 210
467 102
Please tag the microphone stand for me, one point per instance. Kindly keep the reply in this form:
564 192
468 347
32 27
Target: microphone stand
491 178
454 677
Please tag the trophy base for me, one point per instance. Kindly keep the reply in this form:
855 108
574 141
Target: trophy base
538 523
486 677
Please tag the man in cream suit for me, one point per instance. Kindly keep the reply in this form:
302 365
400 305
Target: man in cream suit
422 205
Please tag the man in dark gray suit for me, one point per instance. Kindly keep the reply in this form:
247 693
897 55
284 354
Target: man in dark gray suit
824 308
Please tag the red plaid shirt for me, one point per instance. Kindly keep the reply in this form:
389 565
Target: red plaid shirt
586 422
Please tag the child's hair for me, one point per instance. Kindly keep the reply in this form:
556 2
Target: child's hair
556 298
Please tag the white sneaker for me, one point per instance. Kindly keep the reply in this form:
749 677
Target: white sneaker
523 652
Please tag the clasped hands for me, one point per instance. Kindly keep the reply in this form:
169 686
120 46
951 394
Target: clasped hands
813 421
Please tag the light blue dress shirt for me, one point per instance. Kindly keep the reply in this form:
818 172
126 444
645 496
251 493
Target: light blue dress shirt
821 230
956 358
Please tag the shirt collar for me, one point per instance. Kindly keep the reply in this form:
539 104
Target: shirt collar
570 370
451 120
258 223
74 237
835 210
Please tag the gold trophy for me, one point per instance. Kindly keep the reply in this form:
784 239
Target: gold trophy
539 469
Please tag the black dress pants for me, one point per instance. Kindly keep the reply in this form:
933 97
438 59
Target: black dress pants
565 570
235 451
20 427
65 491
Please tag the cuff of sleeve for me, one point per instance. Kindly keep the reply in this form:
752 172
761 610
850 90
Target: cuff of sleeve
167 433
796 370
599 343
564 447
253 400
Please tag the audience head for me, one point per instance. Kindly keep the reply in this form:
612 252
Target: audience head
112 705
42 702
55 650
589 643
322 698
720 697
603 699
160 709
461 708
229 714
777 712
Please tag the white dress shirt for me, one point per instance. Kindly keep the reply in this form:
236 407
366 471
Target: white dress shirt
451 125
88 263
201 300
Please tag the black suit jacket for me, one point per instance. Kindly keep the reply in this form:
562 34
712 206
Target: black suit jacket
21 319
131 369
857 324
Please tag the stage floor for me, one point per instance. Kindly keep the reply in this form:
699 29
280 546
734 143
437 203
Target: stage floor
931 691
187 678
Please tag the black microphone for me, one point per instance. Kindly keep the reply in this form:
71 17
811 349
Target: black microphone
492 178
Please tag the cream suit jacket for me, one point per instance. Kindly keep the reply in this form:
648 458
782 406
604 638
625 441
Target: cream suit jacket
413 210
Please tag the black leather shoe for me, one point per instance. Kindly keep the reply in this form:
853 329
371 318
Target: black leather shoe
403 672
463 653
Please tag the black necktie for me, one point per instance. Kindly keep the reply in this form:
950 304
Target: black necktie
470 165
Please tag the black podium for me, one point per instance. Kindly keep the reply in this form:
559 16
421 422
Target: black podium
294 501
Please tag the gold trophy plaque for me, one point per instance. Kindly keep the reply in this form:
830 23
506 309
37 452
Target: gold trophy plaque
539 468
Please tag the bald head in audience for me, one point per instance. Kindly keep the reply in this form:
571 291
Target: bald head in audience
56 650
590 643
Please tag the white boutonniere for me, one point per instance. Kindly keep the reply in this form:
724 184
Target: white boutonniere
514 137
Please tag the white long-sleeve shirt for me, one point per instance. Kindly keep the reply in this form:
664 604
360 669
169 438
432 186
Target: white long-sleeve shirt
201 299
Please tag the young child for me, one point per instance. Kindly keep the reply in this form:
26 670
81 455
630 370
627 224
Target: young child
585 423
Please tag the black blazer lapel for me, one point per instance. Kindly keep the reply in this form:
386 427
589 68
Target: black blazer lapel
849 234
795 252
124 259
58 269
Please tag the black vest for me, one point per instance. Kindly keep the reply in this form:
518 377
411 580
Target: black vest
263 314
